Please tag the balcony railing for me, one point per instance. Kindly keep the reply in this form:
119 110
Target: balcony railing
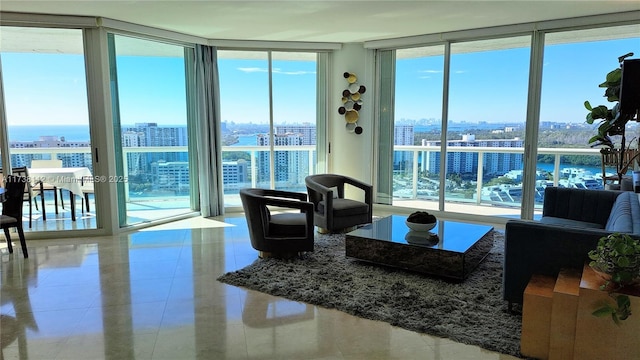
294 179
415 151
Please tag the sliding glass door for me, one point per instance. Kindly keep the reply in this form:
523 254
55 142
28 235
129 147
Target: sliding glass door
150 129
269 119
45 101
487 109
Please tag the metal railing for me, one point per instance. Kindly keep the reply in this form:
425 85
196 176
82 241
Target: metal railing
481 151
254 152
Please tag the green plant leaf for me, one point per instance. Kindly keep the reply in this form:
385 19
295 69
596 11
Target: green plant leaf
614 316
600 112
614 77
623 261
623 301
587 105
604 311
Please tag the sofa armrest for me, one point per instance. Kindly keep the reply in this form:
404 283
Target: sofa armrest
367 188
534 248
319 192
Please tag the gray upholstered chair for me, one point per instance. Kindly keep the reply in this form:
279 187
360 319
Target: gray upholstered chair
332 211
278 234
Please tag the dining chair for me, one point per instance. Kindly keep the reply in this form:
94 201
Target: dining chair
44 187
29 193
12 211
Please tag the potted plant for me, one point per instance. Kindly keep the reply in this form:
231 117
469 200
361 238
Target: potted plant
613 123
617 260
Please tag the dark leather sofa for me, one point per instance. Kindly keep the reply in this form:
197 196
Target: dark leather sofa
573 220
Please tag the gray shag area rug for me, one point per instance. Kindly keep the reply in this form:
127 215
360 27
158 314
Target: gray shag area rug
470 312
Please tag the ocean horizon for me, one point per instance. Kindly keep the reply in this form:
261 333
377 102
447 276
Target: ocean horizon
69 132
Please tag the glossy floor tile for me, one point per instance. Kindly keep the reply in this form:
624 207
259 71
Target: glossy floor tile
153 294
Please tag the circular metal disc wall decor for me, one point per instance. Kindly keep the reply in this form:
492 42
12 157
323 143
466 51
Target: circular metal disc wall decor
352 103
351 116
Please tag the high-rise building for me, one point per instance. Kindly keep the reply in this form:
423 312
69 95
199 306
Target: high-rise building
291 166
235 174
306 131
467 162
152 135
171 176
402 135
79 159
134 159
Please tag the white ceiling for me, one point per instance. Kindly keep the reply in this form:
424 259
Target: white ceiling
320 21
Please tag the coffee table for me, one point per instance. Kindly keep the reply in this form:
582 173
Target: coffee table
459 249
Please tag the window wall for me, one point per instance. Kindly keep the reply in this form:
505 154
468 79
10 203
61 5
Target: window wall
150 129
468 157
269 119
575 63
417 127
45 99
487 108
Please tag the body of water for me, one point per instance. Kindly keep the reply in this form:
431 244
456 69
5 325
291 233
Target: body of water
33 133
595 170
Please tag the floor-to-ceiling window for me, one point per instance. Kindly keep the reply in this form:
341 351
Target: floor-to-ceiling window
45 100
269 119
490 98
487 108
487 87
417 126
150 124
575 64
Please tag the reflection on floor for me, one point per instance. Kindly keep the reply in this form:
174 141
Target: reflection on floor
153 294
139 210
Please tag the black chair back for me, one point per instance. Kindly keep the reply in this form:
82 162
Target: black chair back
14 188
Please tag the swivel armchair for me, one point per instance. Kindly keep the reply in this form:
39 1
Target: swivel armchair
332 212
283 234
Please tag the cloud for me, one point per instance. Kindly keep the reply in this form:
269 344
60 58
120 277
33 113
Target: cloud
430 71
252 69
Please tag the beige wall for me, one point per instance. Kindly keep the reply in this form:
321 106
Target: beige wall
352 154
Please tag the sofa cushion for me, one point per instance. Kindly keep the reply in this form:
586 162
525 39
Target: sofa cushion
288 225
625 214
550 220
346 207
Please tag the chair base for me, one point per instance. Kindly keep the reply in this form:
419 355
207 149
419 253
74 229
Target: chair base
279 255
322 230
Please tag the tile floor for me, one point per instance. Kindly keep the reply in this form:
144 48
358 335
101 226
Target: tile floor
153 294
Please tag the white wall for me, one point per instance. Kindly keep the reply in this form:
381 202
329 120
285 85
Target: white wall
352 154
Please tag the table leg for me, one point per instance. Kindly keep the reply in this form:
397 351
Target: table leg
73 206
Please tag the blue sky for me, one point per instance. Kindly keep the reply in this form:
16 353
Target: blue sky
485 86
492 86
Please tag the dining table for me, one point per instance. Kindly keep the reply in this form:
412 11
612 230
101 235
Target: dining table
68 178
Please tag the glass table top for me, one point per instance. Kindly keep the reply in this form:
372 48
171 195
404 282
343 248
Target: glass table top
451 235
